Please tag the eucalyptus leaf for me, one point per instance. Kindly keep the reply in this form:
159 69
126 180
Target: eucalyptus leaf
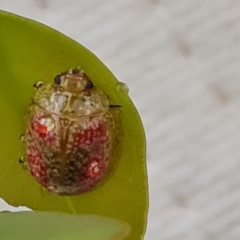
60 226
33 52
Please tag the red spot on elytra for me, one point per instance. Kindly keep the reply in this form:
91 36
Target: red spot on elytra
42 126
37 167
92 172
42 130
94 133
94 139
95 167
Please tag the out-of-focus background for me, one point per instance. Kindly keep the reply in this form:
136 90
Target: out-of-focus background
181 62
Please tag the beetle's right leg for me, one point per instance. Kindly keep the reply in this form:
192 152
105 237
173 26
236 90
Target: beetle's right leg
115 106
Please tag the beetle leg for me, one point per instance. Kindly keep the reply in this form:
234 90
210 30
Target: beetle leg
22 161
37 85
22 137
115 106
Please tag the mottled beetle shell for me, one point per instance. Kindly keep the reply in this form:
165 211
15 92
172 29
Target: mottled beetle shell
70 134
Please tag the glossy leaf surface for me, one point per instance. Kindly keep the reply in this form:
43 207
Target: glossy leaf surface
33 52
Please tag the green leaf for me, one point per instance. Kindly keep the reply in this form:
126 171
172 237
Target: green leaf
31 52
57 226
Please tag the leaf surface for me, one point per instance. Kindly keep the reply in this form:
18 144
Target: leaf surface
59 226
32 52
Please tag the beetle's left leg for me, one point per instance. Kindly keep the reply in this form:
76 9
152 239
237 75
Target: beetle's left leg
22 161
37 85
22 137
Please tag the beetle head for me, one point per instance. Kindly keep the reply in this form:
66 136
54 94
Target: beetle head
73 80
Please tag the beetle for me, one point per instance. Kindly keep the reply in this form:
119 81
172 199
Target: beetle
70 135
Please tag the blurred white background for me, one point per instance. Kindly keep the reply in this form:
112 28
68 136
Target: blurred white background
181 61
